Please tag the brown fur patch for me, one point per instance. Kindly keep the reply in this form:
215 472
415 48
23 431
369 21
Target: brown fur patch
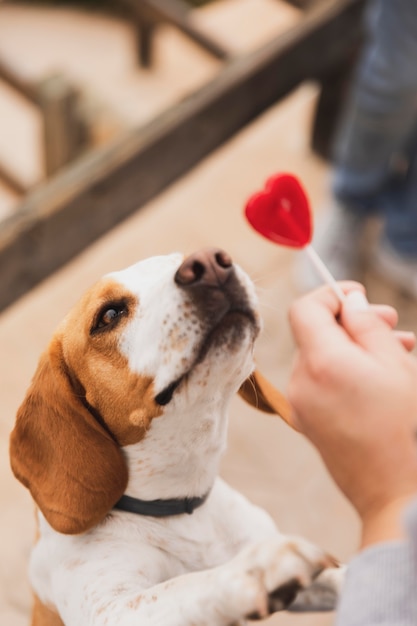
261 394
124 400
43 616
72 464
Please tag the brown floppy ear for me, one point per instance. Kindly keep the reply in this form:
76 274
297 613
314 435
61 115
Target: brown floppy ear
261 394
72 466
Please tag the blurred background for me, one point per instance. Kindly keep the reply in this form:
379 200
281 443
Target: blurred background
132 128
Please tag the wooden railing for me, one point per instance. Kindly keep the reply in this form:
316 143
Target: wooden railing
101 188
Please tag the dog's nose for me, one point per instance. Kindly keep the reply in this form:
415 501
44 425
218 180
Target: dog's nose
210 267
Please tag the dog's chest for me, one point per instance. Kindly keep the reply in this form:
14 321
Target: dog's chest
199 541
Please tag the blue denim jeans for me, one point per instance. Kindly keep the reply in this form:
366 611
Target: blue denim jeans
376 145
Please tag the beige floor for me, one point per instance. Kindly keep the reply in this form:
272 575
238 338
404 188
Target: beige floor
272 465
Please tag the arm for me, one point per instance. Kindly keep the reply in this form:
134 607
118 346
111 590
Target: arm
354 393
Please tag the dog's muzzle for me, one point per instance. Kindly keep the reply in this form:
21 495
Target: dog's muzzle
209 278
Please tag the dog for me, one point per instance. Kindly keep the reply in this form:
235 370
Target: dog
119 440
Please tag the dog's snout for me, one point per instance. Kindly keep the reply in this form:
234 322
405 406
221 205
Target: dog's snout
209 267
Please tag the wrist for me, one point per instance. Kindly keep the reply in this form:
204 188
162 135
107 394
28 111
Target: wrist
385 523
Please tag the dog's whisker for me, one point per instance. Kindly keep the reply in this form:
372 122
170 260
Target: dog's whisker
255 391
266 275
270 306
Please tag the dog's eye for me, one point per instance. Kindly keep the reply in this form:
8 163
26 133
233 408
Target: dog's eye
109 316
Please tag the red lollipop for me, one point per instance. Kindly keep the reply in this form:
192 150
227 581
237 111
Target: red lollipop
281 213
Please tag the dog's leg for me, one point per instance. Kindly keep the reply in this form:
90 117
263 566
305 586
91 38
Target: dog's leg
254 523
323 594
263 578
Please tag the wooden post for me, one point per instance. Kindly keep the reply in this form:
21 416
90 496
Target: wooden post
147 13
145 29
63 131
334 89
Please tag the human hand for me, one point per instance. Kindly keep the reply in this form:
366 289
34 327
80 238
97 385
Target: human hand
354 393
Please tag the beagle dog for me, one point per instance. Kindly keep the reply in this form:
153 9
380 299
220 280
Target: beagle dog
119 440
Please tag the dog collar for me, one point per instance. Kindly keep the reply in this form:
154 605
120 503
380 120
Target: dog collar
160 508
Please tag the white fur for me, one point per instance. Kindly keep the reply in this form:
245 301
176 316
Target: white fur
215 566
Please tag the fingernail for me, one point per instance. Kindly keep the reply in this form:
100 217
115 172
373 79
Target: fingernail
356 301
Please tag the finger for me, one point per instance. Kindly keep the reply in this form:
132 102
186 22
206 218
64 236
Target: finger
387 313
406 338
390 316
313 317
368 329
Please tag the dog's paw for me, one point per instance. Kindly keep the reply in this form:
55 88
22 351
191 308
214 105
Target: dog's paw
323 593
272 572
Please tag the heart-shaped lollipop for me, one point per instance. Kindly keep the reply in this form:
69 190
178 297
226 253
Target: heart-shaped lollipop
281 213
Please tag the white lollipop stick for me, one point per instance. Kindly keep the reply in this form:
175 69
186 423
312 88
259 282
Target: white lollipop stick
324 272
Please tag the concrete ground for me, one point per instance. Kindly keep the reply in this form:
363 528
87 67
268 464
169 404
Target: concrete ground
268 462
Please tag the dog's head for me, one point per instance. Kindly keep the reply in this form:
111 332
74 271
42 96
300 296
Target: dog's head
160 338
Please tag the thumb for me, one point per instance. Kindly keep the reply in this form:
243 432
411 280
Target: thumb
366 328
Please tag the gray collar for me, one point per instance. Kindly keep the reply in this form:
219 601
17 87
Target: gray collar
160 508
